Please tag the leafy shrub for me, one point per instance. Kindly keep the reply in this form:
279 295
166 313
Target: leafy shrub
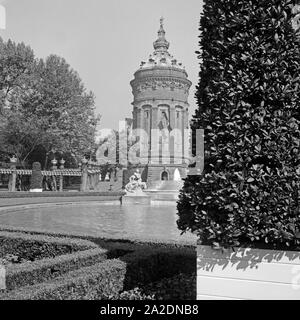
10 259
179 287
30 273
145 266
89 283
134 294
137 266
36 177
34 247
248 97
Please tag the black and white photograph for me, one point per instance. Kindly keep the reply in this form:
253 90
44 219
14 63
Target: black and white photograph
149 150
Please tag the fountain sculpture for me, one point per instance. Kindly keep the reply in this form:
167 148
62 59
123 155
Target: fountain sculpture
134 190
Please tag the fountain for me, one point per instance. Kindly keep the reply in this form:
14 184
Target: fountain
134 190
177 176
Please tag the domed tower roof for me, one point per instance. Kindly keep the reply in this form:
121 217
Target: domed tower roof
161 76
161 56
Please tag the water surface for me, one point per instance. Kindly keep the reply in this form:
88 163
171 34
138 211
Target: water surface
103 220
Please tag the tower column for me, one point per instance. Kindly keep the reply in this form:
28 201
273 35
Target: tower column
154 158
172 116
186 119
135 118
184 115
154 117
173 133
139 118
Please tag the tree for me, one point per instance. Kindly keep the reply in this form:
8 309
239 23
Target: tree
16 66
45 106
248 103
67 108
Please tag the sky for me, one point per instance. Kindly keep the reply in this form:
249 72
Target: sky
105 41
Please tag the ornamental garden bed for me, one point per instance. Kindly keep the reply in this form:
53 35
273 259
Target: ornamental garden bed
64 268
34 246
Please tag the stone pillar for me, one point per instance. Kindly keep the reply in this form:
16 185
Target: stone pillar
186 119
134 124
172 117
173 132
177 136
84 178
61 183
186 140
13 176
139 118
146 116
154 117
12 180
154 145
186 146
165 146
183 126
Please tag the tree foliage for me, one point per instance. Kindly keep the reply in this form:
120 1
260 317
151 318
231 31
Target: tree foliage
44 106
248 97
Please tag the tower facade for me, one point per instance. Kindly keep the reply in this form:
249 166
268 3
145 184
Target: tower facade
160 112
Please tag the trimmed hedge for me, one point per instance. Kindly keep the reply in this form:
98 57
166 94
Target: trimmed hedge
87 275
248 106
109 278
128 243
30 273
33 247
134 294
179 287
94 282
145 266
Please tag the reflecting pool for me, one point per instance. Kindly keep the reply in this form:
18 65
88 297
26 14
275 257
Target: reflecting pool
102 220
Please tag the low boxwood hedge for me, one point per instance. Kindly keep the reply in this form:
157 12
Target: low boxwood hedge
152 264
109 278
94 282
109 243
33 247
138 264
179 287
30 273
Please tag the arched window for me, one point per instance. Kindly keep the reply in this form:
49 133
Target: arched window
164 175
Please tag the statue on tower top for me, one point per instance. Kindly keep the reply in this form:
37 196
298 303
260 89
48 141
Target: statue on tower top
161 44
161 22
